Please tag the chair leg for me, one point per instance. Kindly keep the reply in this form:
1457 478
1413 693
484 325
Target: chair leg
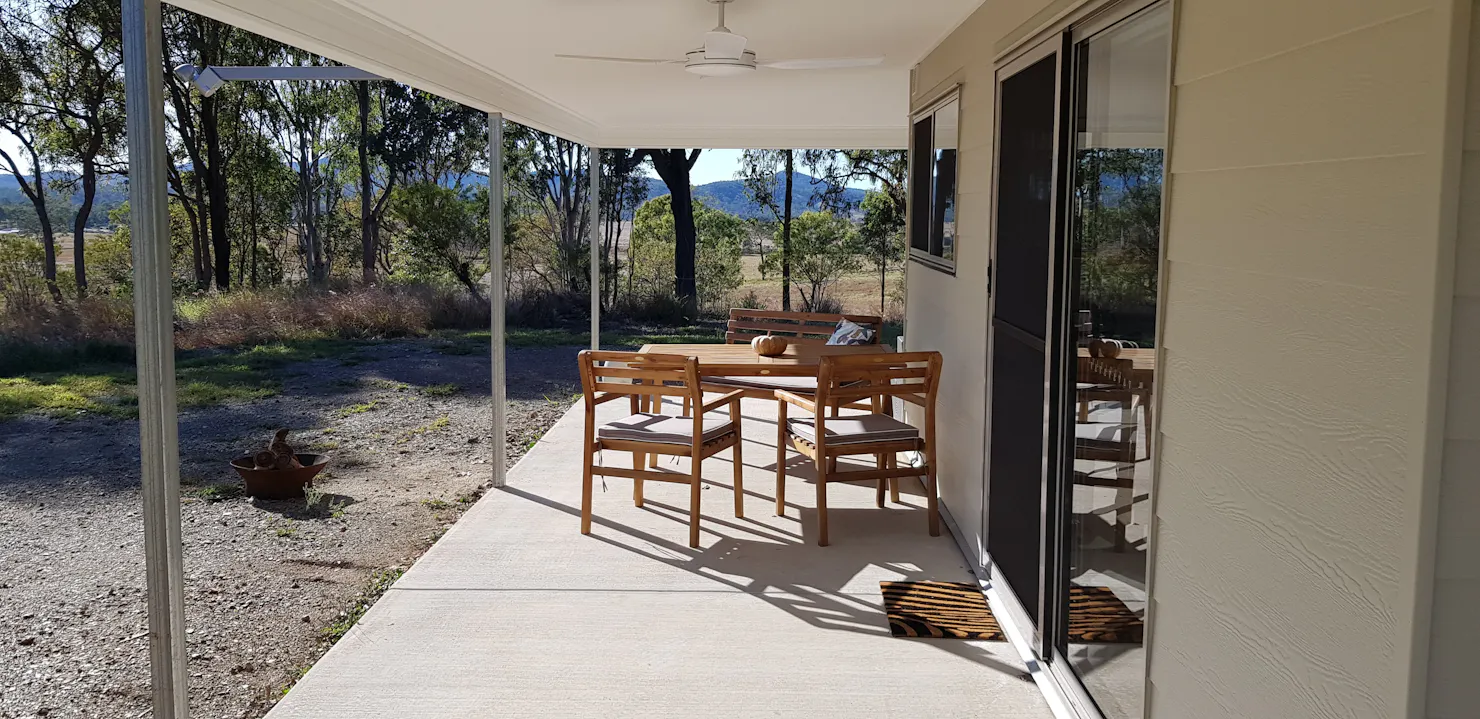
637 460
893 463
586 489
739 480
1150 425
879 463
695 492
781 459
931 506
822 466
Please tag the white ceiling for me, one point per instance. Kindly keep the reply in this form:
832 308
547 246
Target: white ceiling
499 55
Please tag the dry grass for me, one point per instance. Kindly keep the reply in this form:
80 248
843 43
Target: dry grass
856 293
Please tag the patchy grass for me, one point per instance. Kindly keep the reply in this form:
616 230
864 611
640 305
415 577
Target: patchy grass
435 425
361 408
436 505
323 446
215 492
477 342
204 378
379 582
440 390
388 385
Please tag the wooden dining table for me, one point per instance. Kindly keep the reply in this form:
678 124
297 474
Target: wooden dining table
736 360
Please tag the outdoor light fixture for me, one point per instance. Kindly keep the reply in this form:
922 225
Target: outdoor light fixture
210 79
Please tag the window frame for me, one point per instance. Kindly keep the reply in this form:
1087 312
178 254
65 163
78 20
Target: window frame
928 113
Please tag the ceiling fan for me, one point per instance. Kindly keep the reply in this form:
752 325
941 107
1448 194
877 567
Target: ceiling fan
724 55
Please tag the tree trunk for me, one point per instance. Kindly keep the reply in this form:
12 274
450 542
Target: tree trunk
79 224
786 237
252 195
199 236
215 170
673 167
367 233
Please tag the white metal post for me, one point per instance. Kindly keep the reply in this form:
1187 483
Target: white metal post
496 287
593 157
149 226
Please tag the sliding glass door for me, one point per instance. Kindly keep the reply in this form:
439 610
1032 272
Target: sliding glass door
1113 178
1081 132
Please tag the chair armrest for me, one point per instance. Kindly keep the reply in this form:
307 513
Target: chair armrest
789 398
722 400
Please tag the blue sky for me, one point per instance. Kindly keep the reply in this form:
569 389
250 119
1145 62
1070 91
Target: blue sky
713 165
719 165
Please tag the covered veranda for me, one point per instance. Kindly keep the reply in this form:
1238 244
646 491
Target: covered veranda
513 612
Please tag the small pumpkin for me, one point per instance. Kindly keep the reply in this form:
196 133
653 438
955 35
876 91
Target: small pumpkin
768 345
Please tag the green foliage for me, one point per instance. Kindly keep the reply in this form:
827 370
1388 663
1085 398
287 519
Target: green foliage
446 231
881 237
823 249
21 286
1119 196
717 258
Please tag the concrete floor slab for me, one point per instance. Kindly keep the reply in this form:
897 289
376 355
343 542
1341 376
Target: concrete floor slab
515 614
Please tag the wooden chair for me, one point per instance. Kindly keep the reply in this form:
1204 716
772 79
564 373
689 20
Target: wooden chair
607 376
1110 380
911 376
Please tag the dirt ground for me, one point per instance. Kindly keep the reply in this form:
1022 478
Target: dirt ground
268 583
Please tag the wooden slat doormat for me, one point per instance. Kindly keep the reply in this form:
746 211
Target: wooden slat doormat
956 610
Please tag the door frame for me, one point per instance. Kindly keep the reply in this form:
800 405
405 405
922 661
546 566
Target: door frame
1053 46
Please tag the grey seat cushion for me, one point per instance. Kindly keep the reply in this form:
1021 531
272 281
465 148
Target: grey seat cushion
806 385
854 429
663 429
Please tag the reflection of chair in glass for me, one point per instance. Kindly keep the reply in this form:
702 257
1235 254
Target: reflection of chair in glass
1105 379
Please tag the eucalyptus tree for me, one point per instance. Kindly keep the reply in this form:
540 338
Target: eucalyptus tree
624 188
19 119
420 137
68 56
674 167
549 177
758 172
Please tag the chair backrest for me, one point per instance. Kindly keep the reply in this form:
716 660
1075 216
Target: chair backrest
811 327
639 374
1105 371
913 377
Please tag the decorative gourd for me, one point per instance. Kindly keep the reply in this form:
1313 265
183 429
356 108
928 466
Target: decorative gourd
769 345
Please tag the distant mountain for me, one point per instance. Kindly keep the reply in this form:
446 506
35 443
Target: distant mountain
729 195
112 192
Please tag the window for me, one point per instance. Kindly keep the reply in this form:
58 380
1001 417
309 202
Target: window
933 185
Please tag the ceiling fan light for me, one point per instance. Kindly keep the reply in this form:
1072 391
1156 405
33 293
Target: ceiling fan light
699 64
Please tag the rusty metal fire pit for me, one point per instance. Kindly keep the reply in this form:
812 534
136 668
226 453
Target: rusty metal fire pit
280 483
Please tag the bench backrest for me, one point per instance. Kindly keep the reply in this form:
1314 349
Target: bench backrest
813 327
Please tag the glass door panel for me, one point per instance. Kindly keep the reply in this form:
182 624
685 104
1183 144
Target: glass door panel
1118 135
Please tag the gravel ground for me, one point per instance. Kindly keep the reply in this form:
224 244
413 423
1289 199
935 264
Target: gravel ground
264 580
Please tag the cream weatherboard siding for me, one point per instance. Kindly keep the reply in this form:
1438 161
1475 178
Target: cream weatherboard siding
1453 692
1307 246
1307 296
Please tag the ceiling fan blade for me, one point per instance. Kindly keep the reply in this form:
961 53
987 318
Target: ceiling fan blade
824 63
630 60
722 45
